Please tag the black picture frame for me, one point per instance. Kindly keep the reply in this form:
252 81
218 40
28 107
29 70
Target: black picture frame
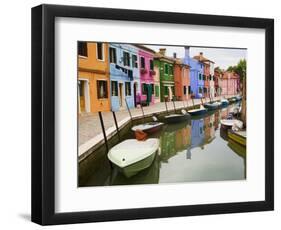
43 113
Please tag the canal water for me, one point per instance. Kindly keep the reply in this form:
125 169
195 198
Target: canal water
194 151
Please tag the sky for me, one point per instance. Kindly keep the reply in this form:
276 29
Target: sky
223 57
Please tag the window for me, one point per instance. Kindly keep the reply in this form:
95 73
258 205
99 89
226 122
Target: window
126 57
189 90
166 90
184 90
100 51
170 70
102 89
200 90
152 88
210 77
200 76
112 55
135 61
142 63
114 88
157 91
151 64
83 49
128 88
166 69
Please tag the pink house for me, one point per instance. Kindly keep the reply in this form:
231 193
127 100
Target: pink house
230 84
146 75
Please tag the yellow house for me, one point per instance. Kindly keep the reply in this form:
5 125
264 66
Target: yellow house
93 77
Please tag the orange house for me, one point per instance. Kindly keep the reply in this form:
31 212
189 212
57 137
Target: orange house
93 77
182 80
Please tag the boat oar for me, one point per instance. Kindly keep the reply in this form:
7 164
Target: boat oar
166 107
192 102
174 105
142 113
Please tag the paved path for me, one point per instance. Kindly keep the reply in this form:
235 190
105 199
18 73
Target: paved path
90 127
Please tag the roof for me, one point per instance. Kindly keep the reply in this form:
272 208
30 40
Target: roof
201 58
145 48
179 61
159 56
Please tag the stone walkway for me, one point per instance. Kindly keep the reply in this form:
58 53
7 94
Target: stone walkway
90 127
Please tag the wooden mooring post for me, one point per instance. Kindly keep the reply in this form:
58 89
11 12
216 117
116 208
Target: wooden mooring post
128 109
103 131
173 100
116 124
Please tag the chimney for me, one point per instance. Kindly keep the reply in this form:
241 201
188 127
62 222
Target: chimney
175 55
162 51
186 55
201 56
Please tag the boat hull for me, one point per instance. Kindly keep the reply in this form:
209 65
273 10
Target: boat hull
235 136
149 130
211 106
134 168
177 119
197 112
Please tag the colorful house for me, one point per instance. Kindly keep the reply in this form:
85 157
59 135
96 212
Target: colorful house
196 74
93 77
124 75
230 84
208 75
166 72
218 81
182 79
146 75
156 80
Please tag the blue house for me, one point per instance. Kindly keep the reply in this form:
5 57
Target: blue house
196 74
124 75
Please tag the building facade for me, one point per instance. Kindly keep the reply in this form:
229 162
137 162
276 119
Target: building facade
230 84
93 77
208 75
146 75
166 72
217 82
124 76
182 79
196 74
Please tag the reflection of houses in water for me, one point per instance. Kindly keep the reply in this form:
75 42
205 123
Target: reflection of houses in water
217 119
174 139
197 132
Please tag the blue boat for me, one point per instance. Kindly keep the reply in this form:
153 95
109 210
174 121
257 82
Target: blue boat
224 102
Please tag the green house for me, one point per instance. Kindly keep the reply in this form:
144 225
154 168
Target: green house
166 73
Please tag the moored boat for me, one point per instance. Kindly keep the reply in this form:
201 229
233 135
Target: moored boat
211 106
228 123
237 136
197 112
150 127
132 156
224 102
176 118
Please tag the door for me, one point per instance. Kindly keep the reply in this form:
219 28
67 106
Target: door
82 96
121 97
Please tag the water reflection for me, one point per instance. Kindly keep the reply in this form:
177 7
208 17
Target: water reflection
188 152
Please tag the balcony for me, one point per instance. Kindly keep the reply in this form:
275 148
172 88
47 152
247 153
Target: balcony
152 72
143 71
